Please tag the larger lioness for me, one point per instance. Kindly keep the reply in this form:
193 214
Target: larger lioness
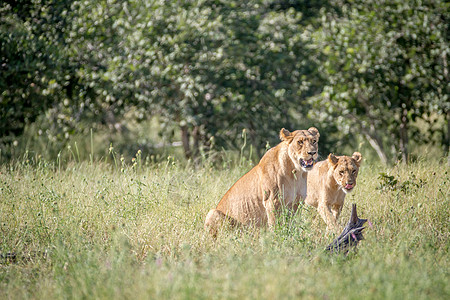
279 179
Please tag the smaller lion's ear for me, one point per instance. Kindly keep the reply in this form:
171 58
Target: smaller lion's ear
314 131
332 159
357 157
285 135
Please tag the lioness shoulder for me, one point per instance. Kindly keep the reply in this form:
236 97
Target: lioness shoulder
279 179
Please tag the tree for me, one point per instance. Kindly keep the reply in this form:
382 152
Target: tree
210 68
32 72
385 66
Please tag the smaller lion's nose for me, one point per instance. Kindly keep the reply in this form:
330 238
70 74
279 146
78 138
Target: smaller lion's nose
312 152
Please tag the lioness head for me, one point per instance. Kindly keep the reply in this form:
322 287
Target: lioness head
345 170
302 147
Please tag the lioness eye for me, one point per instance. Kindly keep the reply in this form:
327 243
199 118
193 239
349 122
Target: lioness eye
341 172
314 142
300 142
354 172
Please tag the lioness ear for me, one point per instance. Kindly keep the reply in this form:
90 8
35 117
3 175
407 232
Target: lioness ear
314 131
357 157
285 135
332 159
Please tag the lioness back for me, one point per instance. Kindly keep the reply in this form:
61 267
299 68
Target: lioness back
278 179
241 201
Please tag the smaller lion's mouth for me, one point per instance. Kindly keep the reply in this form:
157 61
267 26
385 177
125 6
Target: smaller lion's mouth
307 164
349 187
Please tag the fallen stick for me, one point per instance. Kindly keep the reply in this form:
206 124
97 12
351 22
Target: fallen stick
350 236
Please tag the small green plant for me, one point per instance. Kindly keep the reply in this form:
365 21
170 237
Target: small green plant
391 183
387 182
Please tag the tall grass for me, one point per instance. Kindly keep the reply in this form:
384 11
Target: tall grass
130 230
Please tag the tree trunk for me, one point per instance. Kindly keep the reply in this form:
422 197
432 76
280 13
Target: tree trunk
447 138
404 134
376 144
185 141
374 140
196 137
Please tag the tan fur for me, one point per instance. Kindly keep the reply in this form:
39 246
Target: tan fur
326 186
279 179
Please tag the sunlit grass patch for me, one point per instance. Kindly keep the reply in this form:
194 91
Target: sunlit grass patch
138 233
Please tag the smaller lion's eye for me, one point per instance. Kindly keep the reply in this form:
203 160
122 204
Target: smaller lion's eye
300 142
341 172
314 142
354 172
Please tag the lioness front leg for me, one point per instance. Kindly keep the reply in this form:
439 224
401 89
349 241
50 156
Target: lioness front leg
294 209
336 210
294 206
327 216
271 205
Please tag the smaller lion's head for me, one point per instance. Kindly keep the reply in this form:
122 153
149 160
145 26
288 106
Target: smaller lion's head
345 170
303 146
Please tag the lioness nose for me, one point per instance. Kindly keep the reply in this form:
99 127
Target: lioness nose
312 152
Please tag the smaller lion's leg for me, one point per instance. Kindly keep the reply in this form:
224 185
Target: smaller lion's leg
336 209
327 216
311 200
215 219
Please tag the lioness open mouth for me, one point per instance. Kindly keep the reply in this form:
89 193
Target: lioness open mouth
307 164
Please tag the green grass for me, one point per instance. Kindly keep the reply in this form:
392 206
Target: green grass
137 233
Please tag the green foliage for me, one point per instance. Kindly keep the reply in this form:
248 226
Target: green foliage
32 69
391 183
387 182
385 66
358 70
209 68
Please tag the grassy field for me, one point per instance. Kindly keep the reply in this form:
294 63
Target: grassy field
94 230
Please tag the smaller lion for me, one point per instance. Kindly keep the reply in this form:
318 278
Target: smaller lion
328 183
